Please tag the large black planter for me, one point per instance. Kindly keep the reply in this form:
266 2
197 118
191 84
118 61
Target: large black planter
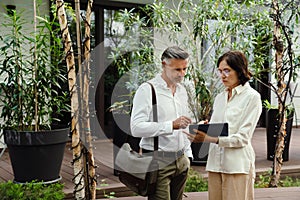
36 155
200 153
272 127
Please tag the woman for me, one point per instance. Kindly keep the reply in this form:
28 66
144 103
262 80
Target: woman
231 159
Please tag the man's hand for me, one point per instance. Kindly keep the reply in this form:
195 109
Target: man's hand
200 136
181 122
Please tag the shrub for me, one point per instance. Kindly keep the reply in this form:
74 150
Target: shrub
31 191
263 181
195 182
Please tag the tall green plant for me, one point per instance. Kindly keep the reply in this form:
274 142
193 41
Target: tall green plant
205 28
132 55
28 98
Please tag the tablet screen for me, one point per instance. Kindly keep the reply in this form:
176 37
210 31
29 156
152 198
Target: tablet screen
211 129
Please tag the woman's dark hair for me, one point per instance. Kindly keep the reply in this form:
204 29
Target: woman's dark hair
238 62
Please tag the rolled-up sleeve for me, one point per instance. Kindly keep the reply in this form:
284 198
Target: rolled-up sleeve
142 124
241 132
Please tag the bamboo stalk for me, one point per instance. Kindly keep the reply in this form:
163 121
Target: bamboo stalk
79 189
35 92
86 118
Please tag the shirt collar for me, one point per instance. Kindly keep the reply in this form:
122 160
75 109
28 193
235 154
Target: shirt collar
162 83
240 88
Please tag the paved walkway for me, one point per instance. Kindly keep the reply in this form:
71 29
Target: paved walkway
289 193
289 168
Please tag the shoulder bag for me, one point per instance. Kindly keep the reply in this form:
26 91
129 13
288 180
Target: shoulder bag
139 172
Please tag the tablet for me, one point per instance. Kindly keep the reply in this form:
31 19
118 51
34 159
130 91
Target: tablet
211 129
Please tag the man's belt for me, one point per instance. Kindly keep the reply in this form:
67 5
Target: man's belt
165 154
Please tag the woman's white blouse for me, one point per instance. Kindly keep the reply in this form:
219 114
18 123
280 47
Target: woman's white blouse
235 154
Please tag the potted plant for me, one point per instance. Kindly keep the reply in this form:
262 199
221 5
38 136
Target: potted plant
31 98
272 129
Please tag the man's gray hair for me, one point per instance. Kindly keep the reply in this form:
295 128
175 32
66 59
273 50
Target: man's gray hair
174 52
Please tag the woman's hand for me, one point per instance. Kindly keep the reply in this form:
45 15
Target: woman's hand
196 138
201 136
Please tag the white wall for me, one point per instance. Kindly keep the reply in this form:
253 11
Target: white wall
296 99
25 6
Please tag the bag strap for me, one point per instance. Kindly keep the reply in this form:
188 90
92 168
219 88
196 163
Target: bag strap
155 117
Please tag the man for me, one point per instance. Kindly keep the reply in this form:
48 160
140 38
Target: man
173 116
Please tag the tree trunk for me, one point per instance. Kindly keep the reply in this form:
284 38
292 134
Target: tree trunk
79 190
281 93
86 112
